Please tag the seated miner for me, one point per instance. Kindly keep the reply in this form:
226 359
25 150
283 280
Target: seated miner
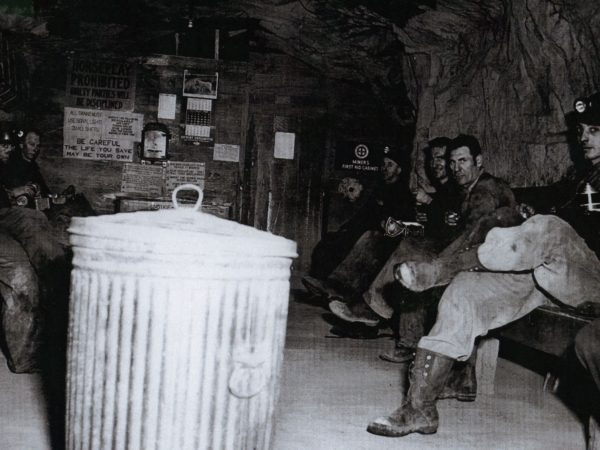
21 176
30 259
546 260
440 227
391 202
483 202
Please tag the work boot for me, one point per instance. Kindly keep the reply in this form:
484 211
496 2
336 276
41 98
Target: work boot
354 312
417 414
462 382
355 331
399 354
319 288
377 303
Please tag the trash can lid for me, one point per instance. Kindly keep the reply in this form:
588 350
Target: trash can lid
182 230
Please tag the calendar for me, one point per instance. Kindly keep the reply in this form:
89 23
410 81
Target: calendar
198 117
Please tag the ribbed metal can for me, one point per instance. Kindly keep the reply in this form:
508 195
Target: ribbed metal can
176 332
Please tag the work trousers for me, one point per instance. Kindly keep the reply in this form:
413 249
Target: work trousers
368 255
384 294
20 307
553 264
33 271
587 348
33 231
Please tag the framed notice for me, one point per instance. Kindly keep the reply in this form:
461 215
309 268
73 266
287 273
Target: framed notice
200 85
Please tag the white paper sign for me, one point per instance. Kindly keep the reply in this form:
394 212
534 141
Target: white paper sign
98 134
180 172
167 104
142 179
156 181
226 152
284 145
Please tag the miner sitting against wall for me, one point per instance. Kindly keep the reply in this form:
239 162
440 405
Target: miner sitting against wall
347 262
546 260
31 262
481 202
438 213
21 175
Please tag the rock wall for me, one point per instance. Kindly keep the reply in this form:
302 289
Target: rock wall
506 72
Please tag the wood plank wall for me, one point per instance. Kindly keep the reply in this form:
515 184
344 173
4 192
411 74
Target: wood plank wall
256 98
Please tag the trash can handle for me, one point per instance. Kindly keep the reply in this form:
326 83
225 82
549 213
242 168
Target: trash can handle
187 187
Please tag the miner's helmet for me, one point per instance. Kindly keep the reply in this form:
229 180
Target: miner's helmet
587 109
397 153
7 137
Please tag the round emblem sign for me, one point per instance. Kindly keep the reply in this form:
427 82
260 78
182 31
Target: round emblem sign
361 151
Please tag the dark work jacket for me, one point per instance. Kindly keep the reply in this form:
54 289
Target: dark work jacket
487 204
18 172
4 198
447 198
387 200
574 211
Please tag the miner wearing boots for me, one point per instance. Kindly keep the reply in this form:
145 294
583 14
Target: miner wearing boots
438 233
483 201
392 201
545 260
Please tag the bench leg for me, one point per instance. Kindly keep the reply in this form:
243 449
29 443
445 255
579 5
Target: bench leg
593 434
485 367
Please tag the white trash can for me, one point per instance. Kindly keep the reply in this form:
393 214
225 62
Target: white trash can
176 331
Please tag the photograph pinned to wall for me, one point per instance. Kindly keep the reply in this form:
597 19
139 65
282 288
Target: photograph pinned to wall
200 85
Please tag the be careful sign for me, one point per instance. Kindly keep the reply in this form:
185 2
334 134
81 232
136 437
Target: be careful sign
104 135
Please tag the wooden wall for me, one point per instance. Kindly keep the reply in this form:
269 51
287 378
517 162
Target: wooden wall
256 98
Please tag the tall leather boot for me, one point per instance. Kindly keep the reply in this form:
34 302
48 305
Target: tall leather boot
418 413
462 382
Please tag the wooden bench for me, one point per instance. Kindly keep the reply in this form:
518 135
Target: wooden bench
548 329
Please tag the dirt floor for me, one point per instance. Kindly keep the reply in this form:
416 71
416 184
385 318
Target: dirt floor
330 389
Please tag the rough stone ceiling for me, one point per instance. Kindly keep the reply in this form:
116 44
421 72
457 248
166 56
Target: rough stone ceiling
350 39
368 41
355 40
